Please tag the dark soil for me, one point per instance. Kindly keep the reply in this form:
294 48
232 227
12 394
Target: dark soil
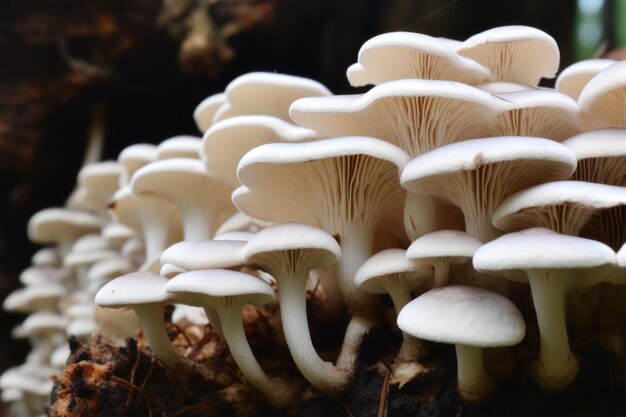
106 381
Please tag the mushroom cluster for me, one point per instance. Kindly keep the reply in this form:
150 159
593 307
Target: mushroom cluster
482 204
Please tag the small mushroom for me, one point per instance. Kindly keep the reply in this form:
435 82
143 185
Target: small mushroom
470 318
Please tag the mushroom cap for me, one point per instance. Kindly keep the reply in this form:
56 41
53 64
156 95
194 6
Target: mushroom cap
530 207
443 244
74 259
520 54
416 115
34 298
225 143
573 79
116 234
473 154
52 224
48 256
170 271
89 243
278 92
109 268
401 55
373 275
191 255
221 283
42 323
134 157
601 156
179 147
540 248
538 112
38 275
305 182
499 87
293 236
234 235
241 222
205 111
134 289
463 315
101 175
28 379
602 101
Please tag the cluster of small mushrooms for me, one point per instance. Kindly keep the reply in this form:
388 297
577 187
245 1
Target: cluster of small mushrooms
491 211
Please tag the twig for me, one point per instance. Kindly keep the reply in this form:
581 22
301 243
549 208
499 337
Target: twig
384 392
345 407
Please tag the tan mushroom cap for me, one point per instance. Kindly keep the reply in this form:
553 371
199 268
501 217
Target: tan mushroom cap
602 101
37 275
47 257
477 175
519 54
35 298
540 113
278 92
179 147
205 111
415 115
402 55
574 78
225 143
601 156
562 206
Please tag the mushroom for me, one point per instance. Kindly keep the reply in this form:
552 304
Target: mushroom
601 156
61 226
204 201
278 92
476 175
145 293
562 206
205 111
574 78
227 292
179 147
389 272
547 259
442 249
470 318
289 251
519 54
402 55
134 157
602 100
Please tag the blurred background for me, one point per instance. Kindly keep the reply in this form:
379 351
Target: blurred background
130 71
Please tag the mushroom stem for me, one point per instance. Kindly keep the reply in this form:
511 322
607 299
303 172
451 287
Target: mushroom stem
151 318
474 383
442 273
556 366
412 347
197 224
358 328
323 375
234 333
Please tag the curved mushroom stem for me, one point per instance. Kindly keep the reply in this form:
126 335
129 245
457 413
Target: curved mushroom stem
474 383
232 327
197 225
412 347
214 319
323 375
358 328
556 366
151 318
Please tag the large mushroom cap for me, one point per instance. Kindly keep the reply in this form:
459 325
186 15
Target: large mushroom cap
179 147
463 315
519 54
400 55
191 255
415 115
374 273
443 243
539 248
61 226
